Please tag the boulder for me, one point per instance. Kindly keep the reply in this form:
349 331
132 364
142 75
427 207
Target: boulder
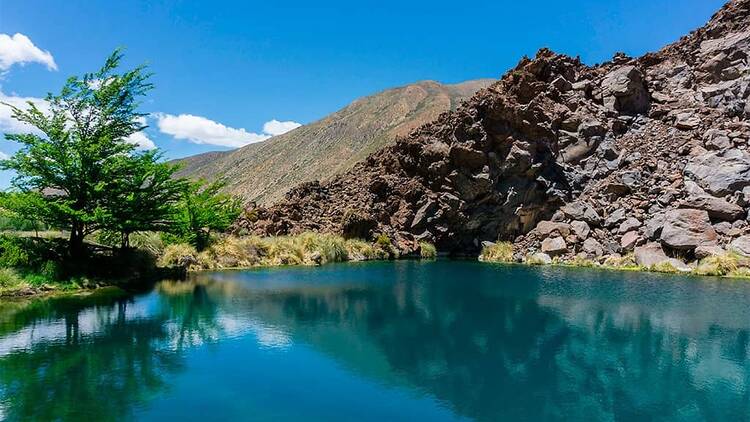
615 218
539 258
686 229
593 248
687 121
583 212
649 255
652 254
544 228
629 240
704 251
554 246
717 208
741 245
624 90
720 174
581 229
628 225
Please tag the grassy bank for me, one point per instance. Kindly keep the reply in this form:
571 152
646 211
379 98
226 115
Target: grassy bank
304 249
729 264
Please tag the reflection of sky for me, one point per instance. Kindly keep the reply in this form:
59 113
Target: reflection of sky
91 322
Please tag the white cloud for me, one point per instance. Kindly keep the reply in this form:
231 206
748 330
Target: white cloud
201 130
10 125
139 139
275 127
18 49
4 156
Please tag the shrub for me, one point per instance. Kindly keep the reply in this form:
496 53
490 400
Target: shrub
9 278
427 250
178 254
497 252
664 267
622 262
359 250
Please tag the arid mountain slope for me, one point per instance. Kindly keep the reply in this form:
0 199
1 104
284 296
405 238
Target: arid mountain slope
265 171
564 158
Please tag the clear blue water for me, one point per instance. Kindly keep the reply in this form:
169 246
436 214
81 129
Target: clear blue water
409 341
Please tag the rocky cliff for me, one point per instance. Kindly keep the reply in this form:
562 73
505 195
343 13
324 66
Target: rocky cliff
565 158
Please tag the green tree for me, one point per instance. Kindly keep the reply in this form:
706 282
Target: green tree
25 210
203 208
81 162
144 198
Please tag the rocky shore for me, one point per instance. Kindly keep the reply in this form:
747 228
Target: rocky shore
637 157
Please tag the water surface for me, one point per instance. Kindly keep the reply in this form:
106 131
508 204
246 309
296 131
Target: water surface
385 341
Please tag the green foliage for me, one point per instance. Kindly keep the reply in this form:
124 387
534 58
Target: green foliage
383 240
9 278
24 211
202 208
664 267
497 252
427 250
81 174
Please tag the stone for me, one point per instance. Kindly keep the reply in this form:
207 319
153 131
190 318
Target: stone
687 121
593 248
741 245
649 255
720 174
653 226
624 90
717 208
615 218
686 229
628 240
581 229
630 224
652 254
704 251
554 246
540 258
544 228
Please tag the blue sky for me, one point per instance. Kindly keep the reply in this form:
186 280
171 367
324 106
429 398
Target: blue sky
225 68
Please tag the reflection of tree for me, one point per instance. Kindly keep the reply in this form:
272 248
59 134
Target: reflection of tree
194 313
492 355
102 362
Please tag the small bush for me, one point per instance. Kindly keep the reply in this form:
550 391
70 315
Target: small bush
581 261
622 262
178 254
359 250
497 252
9 278
427 250
664 267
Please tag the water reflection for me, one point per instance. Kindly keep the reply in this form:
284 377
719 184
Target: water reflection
485 342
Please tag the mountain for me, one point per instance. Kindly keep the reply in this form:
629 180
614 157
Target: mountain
644 154
264 171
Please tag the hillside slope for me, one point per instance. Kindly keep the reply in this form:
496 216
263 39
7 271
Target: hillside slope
265 171
646 153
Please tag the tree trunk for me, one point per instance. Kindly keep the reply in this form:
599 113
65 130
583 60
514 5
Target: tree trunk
76 241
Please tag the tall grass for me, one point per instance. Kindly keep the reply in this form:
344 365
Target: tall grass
242 252
497 252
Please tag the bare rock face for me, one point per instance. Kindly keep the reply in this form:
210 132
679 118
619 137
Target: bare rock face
686 229
652 254
638 149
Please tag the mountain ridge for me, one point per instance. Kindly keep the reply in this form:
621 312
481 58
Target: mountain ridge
263 172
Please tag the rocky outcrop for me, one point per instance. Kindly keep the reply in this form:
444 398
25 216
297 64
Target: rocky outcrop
565 159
